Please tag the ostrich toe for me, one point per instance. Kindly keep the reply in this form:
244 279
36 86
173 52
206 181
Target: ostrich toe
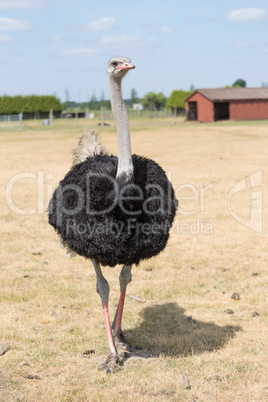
111 364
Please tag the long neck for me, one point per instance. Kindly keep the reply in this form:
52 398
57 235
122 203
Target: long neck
125 165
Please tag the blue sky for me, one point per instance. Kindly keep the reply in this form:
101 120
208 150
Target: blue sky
47 46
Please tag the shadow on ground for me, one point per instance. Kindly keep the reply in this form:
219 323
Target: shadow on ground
165 329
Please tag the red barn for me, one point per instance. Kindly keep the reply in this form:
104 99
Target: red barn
208 105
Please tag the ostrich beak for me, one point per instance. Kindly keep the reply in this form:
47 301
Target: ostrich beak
126 66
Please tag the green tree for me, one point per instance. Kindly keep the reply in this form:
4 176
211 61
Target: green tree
153 101
240 83
134 96
192 88
92 102
30 104
176 99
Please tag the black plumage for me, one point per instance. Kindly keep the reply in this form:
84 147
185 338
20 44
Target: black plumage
101 217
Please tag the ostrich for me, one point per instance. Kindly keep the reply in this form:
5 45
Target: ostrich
113 210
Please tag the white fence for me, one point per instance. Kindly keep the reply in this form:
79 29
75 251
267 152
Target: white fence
11 119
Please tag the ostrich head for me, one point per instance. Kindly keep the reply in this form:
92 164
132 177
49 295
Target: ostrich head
119 66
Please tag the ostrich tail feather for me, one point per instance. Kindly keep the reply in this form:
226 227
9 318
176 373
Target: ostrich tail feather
88 145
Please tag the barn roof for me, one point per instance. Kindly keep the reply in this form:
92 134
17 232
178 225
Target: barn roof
226 94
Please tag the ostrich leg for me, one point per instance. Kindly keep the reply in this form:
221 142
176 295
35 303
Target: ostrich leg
103 289
124 279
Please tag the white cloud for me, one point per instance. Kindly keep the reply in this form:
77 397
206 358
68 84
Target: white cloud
264 50
124 40
6 38
101 24
248 14
16 4
8 24
84 52
241 45
20 60
13 4
57 39
166 30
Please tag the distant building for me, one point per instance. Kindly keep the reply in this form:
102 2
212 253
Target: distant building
137 106
208 105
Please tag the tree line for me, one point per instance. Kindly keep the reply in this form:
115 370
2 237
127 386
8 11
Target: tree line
30 104
39 106
151 101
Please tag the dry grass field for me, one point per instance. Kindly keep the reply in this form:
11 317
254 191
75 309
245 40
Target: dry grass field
50 313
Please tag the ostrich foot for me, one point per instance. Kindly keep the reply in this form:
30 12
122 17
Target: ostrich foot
121 343
110 364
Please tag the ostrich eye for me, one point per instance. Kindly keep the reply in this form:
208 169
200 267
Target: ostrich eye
114 63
